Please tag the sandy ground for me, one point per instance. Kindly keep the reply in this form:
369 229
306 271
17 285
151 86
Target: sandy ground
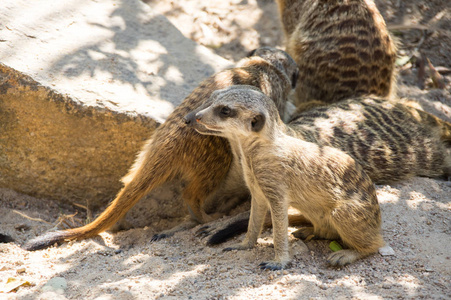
416 213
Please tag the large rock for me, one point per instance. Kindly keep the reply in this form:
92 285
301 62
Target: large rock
82 84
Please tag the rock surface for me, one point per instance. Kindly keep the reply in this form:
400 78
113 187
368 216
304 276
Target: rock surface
82 85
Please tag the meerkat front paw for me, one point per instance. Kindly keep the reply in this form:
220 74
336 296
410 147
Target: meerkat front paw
274 265
343 258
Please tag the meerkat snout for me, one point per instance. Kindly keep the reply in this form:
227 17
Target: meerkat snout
189 118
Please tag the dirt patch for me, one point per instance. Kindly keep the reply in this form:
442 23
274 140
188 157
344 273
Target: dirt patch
416 213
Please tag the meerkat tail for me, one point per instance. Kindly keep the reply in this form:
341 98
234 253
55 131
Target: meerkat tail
240 226
138 184
5 238
230 231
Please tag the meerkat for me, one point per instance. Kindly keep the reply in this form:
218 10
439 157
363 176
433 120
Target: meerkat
176 151
391 140
280 169
342 48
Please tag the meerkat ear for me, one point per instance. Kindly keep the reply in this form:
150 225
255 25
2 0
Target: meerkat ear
257 123
251 53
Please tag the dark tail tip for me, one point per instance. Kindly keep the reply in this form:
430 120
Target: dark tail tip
230 231
45 240
5 238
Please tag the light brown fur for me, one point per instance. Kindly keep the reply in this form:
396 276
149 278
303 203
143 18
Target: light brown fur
326 184
176 151
342 48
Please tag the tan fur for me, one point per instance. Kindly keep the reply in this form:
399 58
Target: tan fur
281 169
178 152
342 48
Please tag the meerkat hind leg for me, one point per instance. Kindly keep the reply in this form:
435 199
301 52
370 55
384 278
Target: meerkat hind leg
361 236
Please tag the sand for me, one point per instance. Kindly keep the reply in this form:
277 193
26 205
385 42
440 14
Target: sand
416 213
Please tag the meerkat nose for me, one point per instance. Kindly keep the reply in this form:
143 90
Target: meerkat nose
189 118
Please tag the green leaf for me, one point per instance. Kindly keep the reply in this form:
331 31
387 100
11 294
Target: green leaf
335 246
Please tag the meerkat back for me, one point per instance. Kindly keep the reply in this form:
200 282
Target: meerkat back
342 49
391 140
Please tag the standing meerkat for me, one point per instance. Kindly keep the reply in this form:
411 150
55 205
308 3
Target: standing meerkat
324 183
342 48
392 141
176 151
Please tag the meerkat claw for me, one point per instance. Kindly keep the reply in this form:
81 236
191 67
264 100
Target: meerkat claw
273 266
203 232
159 236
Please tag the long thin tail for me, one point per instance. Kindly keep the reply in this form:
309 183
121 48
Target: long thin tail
231 230
143 179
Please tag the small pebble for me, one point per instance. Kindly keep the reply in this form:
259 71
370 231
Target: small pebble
386 251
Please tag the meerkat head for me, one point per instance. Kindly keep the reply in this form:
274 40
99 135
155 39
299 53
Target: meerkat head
237 110
280 59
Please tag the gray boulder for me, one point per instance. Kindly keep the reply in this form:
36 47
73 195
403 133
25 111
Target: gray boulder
82 85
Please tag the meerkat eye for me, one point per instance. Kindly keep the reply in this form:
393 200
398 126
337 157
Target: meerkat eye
225 111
